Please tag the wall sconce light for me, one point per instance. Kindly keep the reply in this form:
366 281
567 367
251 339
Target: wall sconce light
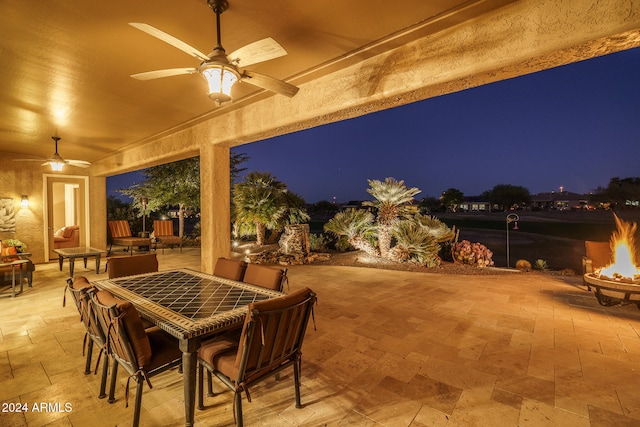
25 201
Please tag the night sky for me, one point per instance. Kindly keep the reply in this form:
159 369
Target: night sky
575 126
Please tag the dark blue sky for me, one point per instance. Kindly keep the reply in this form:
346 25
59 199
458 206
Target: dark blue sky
575 126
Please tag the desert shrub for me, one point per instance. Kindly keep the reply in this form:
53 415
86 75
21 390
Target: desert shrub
415 244
318 242
541 265
475 254
356 226
342 244
436 228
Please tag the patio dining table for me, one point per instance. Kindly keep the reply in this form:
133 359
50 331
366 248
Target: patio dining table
191 306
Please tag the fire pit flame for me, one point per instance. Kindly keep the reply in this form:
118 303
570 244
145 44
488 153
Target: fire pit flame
623 267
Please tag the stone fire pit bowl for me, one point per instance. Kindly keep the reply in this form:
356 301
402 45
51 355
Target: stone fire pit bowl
612 292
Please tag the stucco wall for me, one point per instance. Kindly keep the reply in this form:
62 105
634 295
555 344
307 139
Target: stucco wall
20 178
16 179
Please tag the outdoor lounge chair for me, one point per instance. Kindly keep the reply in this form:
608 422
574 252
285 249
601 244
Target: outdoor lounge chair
163 232
271 340
121 235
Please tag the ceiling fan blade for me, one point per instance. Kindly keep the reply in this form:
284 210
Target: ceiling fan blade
269 83
29 160
78 163
253 53
167 38
149 75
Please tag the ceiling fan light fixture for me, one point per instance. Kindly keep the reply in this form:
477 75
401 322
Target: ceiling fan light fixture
56 166
220 79
56 162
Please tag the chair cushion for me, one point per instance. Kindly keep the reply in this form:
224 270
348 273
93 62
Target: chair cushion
230 269
80 282
163 228
119 228
9 253
133 326
132 241
133 264
170 240
266 277
68 231
220 353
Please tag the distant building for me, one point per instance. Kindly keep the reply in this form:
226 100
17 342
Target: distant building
474 204
351 204
562 201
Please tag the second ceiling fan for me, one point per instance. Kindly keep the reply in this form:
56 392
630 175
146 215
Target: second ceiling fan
219 69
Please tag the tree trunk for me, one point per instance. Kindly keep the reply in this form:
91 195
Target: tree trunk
384 241
363 245
260 232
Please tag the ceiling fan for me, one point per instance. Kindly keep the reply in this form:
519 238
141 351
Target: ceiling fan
220 70
56 161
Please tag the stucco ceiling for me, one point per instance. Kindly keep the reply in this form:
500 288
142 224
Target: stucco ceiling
66 63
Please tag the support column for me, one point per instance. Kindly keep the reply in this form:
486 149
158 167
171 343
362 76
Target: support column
215 214
98 212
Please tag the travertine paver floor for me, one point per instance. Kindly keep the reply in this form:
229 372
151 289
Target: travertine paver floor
391 348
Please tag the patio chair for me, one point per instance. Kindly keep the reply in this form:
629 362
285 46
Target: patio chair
271 341
121 235
131 265
11 258
163 232
142 353
266 277
79 288
253 274
230 269
597 255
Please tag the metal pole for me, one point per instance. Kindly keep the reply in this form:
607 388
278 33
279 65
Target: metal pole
510 218
508 264
144 201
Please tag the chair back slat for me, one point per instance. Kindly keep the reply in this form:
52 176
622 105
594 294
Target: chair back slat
163 227
119 228
273 333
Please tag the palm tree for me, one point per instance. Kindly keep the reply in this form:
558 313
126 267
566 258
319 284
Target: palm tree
259 204
357 226
295 214
391 197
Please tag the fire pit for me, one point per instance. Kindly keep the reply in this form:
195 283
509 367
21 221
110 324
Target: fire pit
618 282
